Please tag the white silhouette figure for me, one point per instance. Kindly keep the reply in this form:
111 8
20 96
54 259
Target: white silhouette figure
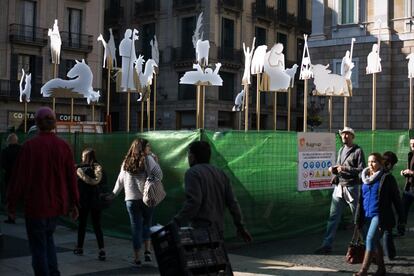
107 53
127 52
145 78
196 35
347 65
112 47
292 72
82 84
305 71
328 84
238 101
155 54
373 60
248 54
410 58
55 42
258 59
207 77
202 50
274 66
27 90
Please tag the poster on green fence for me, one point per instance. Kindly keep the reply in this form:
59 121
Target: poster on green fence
316 153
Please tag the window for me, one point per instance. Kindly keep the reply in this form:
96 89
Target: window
300 43
336 69
282 10
347 11
282 38
282 99
186 91
31 65
302 10
187 30
75 27
260 36
186 119
226 92
226 119
64 67
28 19
145 36
227 39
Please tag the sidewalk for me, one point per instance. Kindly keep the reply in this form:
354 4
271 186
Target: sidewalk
287 257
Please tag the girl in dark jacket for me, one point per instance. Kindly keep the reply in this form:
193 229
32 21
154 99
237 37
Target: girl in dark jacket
90 186
374 212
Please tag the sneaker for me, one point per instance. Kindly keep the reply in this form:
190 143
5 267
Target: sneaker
147 256
323 250
102 255
78 251
137 263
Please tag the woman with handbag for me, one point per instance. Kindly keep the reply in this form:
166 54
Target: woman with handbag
138 165
90 182
374 212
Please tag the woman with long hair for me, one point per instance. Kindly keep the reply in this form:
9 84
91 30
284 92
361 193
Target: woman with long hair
90 182
379 191
139 164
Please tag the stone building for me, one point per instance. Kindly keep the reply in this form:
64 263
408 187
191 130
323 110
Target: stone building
334 24
227 24
24 43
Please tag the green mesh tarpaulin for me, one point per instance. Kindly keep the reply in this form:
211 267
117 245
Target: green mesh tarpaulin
261 165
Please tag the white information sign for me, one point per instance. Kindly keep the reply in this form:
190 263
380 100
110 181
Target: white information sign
316 153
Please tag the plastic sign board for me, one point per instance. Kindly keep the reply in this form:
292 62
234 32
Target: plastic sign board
316 153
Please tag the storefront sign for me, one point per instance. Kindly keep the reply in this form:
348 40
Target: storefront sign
316 153
16 118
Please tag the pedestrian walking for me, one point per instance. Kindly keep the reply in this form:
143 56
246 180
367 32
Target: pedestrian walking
408 193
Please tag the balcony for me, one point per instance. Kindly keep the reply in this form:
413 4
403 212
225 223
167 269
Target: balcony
263 12
186 4
10 89
146 8
232 5
230 55
30 35
76 42
183 54
305 25
114 16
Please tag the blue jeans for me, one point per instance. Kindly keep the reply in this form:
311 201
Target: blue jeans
140 216
388 244
372 233
337 207
40 235
407 201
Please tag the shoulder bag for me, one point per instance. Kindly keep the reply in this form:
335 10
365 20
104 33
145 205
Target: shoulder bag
154 191
356 248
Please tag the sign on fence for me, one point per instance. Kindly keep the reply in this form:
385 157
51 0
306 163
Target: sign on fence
316 153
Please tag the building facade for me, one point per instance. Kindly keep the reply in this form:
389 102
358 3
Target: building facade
226 24
334 24
24 44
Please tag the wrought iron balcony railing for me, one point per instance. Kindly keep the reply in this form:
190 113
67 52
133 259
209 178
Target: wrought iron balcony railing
236 5
183 54
263 12
147 8
28 35
77 42
229 54
10 89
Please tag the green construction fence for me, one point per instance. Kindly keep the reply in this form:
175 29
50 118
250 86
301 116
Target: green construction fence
262 167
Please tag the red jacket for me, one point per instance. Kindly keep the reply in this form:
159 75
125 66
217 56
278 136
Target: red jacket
45 177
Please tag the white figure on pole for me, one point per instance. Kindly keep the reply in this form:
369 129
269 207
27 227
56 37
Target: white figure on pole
347 65
238 101
248 54
328 84
258 59
26 91
55 42
145 77
200 77
81 83
201 46
112 47
127 52
410 58
373 60
107 53
305 71
155 54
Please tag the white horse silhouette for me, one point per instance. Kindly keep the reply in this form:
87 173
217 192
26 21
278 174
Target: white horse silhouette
82 84
26 91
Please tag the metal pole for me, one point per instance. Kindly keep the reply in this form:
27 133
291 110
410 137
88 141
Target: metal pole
198 106
258 102
330 113
246 107
305 106
53 98
345 111
155 101
410 119
374 99
128 108
275 111
288 122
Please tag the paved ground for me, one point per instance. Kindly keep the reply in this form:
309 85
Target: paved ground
287 257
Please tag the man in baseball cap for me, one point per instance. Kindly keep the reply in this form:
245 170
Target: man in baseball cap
350 163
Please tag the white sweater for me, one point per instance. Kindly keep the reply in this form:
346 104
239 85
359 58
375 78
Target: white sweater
133 184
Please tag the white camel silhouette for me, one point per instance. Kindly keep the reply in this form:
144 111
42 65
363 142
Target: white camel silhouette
26 91
82 84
